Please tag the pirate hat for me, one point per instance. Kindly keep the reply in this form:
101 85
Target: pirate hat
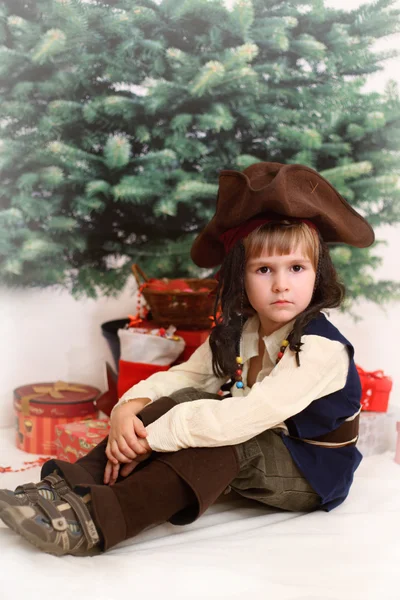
276 191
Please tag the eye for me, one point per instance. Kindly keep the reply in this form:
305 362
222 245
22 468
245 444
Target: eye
300 266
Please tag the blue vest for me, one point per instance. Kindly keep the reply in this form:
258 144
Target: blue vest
329 471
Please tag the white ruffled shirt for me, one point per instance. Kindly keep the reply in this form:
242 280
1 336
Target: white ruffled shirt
280 391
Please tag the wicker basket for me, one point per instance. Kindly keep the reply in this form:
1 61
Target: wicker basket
185 310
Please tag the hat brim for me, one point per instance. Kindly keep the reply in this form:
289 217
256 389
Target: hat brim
334 217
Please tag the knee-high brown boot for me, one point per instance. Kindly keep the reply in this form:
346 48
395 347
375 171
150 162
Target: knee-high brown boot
175 486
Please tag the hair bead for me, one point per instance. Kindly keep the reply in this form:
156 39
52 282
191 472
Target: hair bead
283 347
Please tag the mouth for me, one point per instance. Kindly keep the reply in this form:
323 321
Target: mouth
282 302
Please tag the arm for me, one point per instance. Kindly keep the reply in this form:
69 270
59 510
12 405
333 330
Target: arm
196 372
285 392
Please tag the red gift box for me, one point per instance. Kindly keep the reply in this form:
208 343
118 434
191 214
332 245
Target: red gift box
193 339
39 407
74 440
376 388
130 373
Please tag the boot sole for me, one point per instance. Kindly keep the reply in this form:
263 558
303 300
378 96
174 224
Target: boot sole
7 518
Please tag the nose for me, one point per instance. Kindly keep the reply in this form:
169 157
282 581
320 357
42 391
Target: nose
280 282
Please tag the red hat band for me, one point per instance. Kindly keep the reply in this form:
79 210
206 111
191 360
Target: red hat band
233 235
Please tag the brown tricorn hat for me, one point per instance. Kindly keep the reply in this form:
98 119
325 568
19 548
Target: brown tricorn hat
277 191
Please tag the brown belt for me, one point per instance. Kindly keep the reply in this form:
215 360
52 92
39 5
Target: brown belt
345 435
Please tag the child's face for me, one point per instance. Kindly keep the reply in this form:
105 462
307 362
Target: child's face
270 278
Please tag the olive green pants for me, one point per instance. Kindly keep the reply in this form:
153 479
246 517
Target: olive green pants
268 473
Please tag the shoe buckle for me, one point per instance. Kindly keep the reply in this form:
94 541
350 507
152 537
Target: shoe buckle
29 489
60 524
61 487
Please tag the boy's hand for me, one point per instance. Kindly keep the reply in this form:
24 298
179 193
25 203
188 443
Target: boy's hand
126 433
112 470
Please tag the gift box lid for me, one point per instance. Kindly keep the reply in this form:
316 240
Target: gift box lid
56 399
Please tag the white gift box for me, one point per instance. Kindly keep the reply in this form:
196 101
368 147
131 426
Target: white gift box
141 345
377 432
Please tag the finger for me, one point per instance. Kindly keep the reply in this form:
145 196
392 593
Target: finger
118 454
135 445
114 475
121 458
125 448
107 472
143 457
140 429
127 469
110 455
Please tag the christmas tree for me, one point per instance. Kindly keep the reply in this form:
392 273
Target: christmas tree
117 116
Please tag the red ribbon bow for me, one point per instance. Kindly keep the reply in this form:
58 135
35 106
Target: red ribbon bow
379 374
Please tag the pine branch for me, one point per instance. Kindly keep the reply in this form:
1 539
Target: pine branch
117 116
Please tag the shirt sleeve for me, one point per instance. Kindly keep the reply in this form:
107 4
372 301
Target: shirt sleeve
285 392
195 372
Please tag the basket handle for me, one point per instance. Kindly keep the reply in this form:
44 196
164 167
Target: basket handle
136 271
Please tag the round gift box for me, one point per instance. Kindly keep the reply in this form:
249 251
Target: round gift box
39 407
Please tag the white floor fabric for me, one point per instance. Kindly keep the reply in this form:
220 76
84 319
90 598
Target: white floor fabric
237 549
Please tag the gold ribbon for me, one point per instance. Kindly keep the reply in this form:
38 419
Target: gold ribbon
53 390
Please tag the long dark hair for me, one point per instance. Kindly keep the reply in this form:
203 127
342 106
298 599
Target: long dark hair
276 238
